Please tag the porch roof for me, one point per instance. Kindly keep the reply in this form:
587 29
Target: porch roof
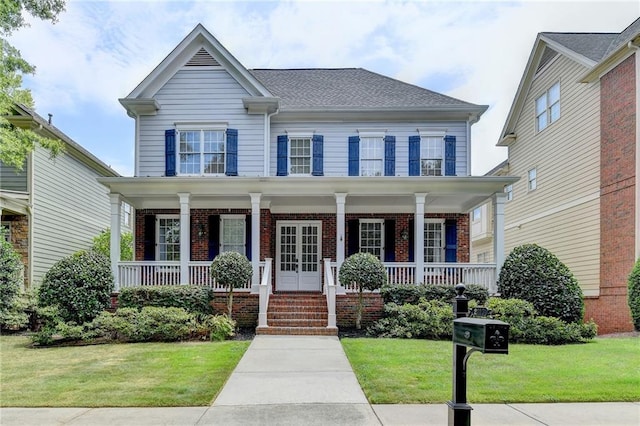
444 194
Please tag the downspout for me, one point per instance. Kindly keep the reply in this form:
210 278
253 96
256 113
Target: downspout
635 47
267 138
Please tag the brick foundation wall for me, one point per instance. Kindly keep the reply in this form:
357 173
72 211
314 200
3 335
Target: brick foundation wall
617 200
346 309
245 308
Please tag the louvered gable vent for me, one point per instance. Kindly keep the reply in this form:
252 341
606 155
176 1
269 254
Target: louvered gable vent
202 59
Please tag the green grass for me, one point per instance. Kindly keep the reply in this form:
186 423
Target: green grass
115 375
396 371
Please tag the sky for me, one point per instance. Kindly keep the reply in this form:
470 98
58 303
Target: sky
476 51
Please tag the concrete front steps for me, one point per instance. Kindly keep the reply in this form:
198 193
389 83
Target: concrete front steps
297 314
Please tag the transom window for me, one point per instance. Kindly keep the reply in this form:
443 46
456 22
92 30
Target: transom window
233 234
434 240
372 237
300 156
548 107
202 152
533 179
168 236
371 156
431 155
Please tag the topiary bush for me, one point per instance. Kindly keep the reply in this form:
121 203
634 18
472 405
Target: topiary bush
633 296
79 285
367 272
231 270
533 273
195 299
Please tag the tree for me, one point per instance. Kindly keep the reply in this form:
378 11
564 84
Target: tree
232 270
102 244
17 143
367 272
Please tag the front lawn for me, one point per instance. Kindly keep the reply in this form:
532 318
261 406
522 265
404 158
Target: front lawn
397 371
115 375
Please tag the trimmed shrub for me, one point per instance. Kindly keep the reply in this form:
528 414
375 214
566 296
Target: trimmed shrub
409 293
533 273
10 274
367 272
80 285
633 296
509 310
193 299
429 319
21 312
102 244
231 270
218 327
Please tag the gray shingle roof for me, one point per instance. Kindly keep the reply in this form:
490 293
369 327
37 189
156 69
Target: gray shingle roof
352 88
624 36
591 45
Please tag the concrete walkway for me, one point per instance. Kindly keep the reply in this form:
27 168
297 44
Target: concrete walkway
307 380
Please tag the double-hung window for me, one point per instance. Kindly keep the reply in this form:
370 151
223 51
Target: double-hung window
201 151
300 156
232 234
371 156
431 155
434 240
532 179
508 189
372 237
168 238
548 107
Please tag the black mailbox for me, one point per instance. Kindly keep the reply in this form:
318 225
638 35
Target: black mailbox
485 335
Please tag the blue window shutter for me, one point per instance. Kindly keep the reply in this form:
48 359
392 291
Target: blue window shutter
214 236
353 236
451 240
282 155
231 168
354 156
389 155
389 240
247 243
149 237
449 155
414 155
412 239
318 155
170 152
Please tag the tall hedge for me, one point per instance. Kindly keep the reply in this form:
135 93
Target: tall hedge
633 296
533 273
194 299
10 274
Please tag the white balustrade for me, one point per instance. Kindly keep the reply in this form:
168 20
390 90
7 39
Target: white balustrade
263 292
329 289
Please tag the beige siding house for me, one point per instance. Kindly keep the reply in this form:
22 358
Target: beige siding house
53 207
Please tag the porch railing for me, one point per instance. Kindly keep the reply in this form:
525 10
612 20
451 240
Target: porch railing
155 273
329 289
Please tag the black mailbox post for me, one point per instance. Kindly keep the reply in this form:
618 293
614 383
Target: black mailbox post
480 334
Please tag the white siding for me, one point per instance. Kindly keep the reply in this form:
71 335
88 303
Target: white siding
201 95
11 179
336 142
69 208
562 214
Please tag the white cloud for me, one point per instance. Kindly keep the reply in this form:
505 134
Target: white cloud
99 51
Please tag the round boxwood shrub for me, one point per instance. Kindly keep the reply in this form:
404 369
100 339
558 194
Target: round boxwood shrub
231 270
633 296
367 272
533 273
10 274
79 285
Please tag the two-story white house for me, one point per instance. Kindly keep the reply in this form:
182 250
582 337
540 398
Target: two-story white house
297 169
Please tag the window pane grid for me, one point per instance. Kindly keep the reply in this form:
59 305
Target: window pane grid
431 156
169 238
300 156
371 238
548 107
202 151
233 235
433 248
371 156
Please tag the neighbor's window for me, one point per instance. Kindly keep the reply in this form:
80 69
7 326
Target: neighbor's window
434 240
371 237
508 189
232 234
202 152
431 148
548 107
477 214
371 156
300 156
533 179
126 214
168 238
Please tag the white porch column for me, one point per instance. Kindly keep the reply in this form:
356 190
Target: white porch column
255 240
340 236
418 249
185 236
114 243
499 199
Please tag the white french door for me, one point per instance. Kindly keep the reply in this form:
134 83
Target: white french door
298 251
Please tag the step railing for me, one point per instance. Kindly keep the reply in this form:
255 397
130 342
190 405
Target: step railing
329 289
264 290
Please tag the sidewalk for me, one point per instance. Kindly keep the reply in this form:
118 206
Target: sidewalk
307 380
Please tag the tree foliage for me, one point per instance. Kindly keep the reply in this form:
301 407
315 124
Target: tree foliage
10 274
367 272
633 296
17 143
231 270
102 244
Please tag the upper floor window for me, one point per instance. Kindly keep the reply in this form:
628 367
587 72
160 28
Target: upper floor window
371 156
372 153
548 107
431 154
168 238
300 153
202 152
233 233
532 179
508 189
300 156
372 237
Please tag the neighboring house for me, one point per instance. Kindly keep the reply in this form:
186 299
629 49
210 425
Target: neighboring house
572 134
53 207
297 169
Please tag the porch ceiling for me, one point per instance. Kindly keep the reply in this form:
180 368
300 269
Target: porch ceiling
312 194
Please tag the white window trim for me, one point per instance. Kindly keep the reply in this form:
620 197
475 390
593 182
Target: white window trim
529 180
508 189
289 146
221 224
382 242
547 111
433 134
187 126
380 138
443 236
158 217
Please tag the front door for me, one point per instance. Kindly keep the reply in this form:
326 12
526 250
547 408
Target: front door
298 248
